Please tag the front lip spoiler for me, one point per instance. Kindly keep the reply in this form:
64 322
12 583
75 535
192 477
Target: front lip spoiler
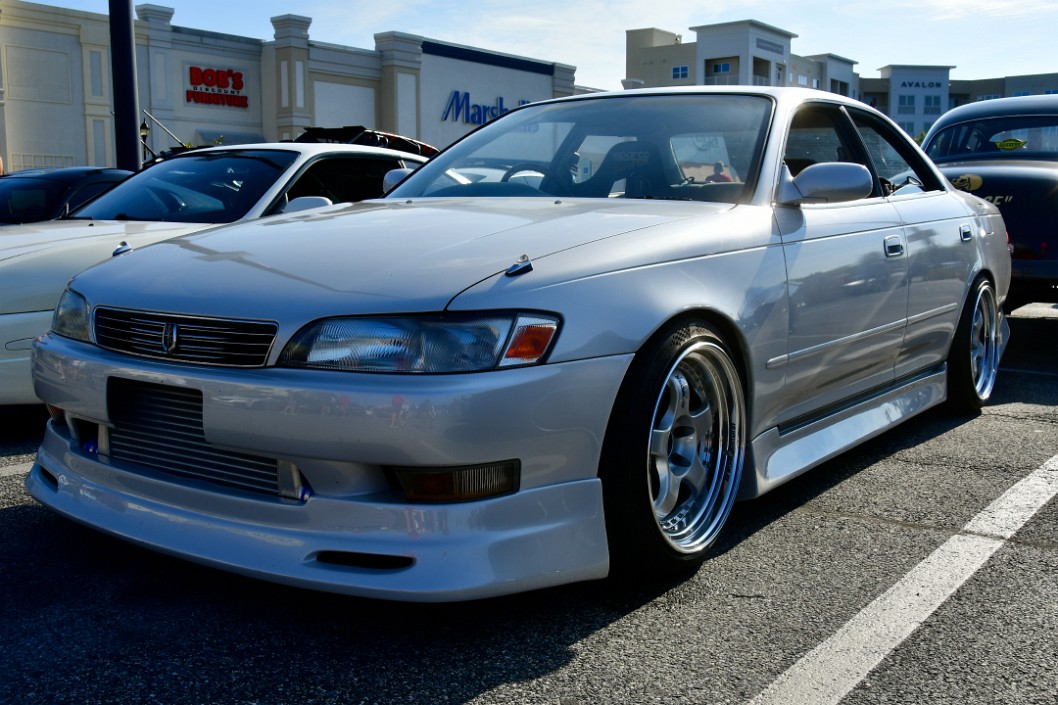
533 539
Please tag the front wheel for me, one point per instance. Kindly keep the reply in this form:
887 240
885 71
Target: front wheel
973 361
674 451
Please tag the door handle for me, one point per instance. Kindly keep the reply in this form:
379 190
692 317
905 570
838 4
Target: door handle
894 246
966 233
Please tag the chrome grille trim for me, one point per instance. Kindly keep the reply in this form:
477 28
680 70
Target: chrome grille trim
208 341
159 428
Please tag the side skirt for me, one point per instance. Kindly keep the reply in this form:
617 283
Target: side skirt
781 454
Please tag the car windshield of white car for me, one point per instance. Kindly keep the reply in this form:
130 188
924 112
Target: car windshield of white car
203 187
668 147
1007 137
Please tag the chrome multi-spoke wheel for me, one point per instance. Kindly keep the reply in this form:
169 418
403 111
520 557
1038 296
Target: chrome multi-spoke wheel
984 342
674 450
696 447
973 362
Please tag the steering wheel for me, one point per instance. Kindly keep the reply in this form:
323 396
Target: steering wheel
525 166
551 183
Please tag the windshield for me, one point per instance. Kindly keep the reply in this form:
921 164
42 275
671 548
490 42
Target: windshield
205 187
1018 136
681 147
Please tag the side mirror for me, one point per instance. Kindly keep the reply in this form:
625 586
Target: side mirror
826 182
304 203
394 177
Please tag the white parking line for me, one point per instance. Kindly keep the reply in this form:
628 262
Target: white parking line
831 670
14 470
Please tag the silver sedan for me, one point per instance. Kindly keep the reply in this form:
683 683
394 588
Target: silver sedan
562 348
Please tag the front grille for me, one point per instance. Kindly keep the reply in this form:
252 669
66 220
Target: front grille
211 341
159 428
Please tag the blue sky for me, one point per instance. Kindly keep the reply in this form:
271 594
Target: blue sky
980 38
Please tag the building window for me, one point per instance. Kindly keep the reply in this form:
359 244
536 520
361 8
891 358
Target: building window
679 72
932 105
1051 91
722 68
991 96
1021 93
908 127
802 80
906 105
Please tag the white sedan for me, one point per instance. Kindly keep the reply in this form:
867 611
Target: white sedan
175 196
563 347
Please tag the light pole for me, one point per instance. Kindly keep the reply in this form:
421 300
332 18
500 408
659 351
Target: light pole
145 130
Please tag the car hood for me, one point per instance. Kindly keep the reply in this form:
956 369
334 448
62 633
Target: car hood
19 240
36 260
374 257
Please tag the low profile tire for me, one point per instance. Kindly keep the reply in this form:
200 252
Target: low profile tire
673 453
973 361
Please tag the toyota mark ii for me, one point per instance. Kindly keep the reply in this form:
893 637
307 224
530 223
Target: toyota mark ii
554 351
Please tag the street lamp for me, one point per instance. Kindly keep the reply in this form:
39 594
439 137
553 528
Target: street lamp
145 130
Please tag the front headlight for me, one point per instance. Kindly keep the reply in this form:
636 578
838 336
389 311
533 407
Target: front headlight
423 344
70 319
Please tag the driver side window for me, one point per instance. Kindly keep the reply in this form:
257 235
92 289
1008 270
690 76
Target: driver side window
818 134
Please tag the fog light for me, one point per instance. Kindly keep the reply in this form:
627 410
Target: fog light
457 484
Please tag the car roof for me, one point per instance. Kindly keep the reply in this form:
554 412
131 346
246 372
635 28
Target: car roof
1002 107
68 173
308 149
794 94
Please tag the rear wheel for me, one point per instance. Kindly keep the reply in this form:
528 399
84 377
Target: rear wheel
973 361
674 451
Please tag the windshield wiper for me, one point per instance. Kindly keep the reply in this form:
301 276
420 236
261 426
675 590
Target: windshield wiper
660 198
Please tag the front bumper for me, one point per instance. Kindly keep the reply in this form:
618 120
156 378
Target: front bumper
17 331
337 430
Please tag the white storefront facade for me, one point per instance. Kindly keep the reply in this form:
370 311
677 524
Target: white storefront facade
56 86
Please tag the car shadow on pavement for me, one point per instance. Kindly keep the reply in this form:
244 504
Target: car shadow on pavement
88 618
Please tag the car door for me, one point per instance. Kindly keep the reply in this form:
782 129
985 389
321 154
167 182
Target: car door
940 233
847 275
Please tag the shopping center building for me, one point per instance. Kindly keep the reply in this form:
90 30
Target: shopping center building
199 87
752 53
